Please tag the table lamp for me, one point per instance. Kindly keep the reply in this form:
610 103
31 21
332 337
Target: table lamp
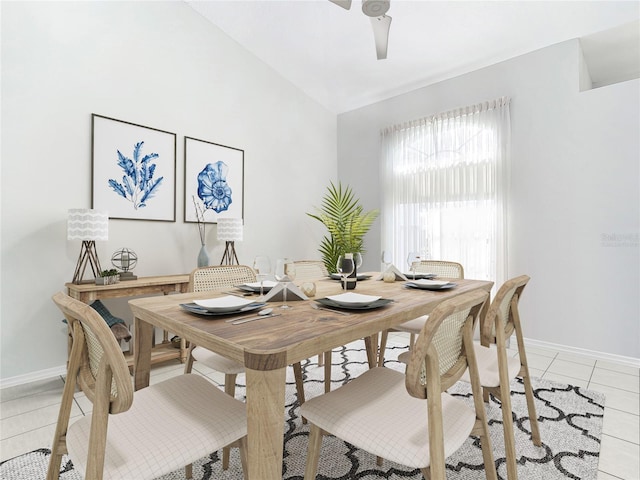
230 230
88 226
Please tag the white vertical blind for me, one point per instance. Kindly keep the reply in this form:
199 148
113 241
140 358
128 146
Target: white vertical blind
445 184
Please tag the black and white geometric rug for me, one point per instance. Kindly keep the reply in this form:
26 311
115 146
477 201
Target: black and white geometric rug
570 420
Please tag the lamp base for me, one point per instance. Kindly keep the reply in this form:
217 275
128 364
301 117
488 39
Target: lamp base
88 254
229 256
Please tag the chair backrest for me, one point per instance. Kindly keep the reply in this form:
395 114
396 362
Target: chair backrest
442 351
96 362
442 268
503 311
221 276
307 270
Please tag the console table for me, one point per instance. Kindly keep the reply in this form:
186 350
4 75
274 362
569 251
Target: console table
88 292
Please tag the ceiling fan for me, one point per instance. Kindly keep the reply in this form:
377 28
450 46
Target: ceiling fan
375 10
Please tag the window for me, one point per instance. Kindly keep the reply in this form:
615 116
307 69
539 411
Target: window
445 182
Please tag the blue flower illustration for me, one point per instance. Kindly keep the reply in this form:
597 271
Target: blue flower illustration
213 189
138 185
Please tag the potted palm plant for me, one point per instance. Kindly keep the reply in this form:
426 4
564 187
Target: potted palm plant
346 222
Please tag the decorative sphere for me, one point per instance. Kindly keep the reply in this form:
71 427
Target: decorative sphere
124 259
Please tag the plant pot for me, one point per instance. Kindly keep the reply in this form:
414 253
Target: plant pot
110 280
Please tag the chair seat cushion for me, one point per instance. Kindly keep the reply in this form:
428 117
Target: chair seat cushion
412 326
169 425
487 359
216 361
374 412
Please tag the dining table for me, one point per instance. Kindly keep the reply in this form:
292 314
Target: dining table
266 346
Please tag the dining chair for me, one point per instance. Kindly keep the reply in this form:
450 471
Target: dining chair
440 268
409 418
496 369
211 279
308 271
143 435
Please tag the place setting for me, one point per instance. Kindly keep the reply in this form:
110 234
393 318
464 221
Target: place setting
352 301
430 284
227 305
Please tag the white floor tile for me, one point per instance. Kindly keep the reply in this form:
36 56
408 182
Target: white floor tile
606 476
622 381
11 393
539 362
32 420
619 399
622 425
572 357
20 405
539 351
619 458
556 377
616 367
571 369
27 442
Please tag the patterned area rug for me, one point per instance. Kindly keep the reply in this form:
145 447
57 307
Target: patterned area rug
570 421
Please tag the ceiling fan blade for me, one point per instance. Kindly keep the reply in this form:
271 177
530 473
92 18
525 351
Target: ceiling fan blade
346 4
381 27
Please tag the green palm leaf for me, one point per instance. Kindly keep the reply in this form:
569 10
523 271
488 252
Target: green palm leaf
343 216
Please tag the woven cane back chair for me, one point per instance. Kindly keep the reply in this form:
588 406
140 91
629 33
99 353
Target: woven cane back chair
309 271
212 279
496 369
442 269
409 418
144 435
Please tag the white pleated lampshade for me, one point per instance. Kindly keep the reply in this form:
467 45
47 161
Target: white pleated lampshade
230 229
87 224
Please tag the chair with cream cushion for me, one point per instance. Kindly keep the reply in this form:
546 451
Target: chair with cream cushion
496 369
212 279
309 271
144 435
409 418
442 269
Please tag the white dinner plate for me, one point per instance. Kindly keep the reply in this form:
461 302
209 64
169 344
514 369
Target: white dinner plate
229 303
255 286
426 284
353 299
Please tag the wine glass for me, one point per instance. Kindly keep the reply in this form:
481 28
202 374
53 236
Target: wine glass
357 258
262 266
285 272
413 259
345 267
386 259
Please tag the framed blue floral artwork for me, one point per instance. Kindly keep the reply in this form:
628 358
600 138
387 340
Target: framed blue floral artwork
133 170
214 179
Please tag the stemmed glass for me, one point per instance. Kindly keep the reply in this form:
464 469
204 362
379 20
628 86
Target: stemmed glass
345 267
262 266
413 259
285 272
357 258
386 259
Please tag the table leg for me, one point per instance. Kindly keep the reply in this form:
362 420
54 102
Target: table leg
143 337
265 425
371 345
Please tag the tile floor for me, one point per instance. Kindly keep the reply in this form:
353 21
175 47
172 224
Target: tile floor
28 412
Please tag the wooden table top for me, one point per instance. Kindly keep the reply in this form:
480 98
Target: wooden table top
299 332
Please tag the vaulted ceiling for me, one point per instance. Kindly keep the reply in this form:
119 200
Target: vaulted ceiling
329 52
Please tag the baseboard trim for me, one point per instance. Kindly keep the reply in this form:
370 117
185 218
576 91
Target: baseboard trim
33 377
606 357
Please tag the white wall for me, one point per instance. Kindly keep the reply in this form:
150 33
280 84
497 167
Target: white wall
157 64
575 183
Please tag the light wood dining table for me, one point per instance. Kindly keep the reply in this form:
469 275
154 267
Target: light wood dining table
268 345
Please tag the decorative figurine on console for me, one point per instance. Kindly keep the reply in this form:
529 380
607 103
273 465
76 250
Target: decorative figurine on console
125 259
